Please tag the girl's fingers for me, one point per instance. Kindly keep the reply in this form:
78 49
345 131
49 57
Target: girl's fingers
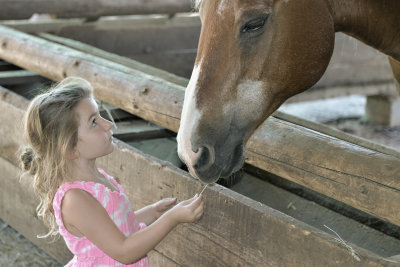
170 199
189 201
171 202
199 210
196 202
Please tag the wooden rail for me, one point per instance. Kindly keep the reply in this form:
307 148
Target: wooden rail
352 173
234 228
23 9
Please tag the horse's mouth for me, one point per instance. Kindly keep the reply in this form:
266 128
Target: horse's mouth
236 162
218 169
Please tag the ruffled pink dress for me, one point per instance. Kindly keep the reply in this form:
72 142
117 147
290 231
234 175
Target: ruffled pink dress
118 208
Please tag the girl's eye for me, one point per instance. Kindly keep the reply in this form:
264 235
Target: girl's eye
94 122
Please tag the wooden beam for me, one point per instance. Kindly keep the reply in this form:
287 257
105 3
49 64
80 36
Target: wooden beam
23 9
52 25
115 58
176 53
233 228
349 172
13 77
137 130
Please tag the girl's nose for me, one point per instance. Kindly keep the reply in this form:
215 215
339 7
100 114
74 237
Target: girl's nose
107 125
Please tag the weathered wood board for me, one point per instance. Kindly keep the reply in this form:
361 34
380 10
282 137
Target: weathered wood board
168 44
349 172
234 229
22 9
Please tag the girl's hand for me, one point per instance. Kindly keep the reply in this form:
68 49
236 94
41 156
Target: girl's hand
188 210
163 205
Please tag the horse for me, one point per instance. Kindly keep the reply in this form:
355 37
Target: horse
253 55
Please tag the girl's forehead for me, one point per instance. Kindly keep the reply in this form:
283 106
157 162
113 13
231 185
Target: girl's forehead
87 107
87 104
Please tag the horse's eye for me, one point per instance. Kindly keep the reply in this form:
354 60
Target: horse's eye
254 25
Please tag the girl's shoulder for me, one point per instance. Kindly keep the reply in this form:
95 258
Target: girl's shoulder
93 188
65 187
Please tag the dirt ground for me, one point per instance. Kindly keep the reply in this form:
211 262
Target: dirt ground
387 136
16 250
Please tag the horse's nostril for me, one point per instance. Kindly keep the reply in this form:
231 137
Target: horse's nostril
204 158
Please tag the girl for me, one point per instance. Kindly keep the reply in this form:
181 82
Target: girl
66 134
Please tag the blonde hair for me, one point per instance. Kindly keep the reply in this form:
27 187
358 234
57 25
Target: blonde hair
51 130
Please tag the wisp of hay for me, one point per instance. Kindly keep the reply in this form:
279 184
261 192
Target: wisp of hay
201 192
340 240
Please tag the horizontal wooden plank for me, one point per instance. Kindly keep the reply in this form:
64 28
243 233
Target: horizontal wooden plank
316 214
13 77
115 58
176 53
349 172
44 25
23 9
136 130
221 237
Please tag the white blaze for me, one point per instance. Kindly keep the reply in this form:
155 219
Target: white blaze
189 118
221 7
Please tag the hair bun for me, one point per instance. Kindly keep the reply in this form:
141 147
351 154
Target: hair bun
28 160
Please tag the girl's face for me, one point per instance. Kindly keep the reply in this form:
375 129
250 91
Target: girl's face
94 132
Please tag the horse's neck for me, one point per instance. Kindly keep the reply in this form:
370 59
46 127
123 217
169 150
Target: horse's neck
375 23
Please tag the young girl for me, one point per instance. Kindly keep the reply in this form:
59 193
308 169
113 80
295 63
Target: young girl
66 134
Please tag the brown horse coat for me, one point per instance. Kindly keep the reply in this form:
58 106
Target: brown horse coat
255 54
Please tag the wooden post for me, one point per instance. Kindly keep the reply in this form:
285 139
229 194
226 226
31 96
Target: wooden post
383 109
350 172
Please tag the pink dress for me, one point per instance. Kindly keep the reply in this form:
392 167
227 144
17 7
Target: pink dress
118 208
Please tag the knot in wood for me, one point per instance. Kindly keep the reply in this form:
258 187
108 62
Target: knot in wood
144 91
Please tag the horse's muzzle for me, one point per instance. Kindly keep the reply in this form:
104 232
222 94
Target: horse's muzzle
209 169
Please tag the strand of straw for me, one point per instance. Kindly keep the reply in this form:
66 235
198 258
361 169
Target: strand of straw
340 240
203 189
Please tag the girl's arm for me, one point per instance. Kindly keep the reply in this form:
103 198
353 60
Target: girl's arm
83 212
152 212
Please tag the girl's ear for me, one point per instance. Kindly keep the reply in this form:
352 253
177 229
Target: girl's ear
74 154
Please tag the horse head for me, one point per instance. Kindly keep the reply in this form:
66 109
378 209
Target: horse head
252 56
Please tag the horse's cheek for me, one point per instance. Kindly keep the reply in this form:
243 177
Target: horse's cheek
304 42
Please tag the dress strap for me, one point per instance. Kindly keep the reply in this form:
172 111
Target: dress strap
109 177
